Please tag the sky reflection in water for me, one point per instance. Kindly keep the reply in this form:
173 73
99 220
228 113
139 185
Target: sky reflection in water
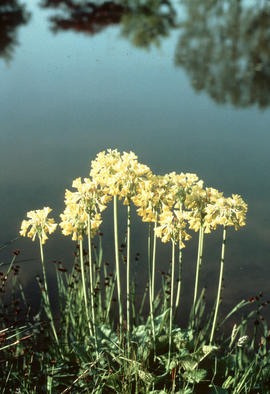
198 102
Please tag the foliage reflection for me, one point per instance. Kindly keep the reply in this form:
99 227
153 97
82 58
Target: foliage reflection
85 17
143 23
12 15
224 46
225 49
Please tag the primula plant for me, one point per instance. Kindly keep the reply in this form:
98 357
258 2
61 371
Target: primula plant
140 349
40 225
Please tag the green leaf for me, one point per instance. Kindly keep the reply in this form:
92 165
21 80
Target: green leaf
207 349
81 351
107 336
195 376
146 377
240 305
182 338
189 363
160 320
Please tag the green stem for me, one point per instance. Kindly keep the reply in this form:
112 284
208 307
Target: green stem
171 303
154 262
107 288
91 277
150 287
199 262
11 264
100 256
219 285
47 300
128 277
117 264
84 289
179 284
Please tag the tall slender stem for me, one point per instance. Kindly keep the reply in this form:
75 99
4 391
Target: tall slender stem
47 300
84 289
43 269
154 262
150 287
91 277
199 262
179 284
115 217
90 267
219 284
128 276
99 259
171 303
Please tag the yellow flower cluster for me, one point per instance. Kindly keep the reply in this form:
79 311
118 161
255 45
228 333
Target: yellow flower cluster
181 186
133 175
39 224
90 200
153 194
119 174
171 201
172 225
229 211
106 170
197 202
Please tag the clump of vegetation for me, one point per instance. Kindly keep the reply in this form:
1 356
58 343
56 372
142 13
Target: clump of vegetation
97 348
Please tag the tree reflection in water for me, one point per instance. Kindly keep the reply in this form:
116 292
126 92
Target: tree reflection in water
12 15
144 23
224 45
148 22
86 17
225 48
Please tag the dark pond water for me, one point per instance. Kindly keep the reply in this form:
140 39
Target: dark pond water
184 84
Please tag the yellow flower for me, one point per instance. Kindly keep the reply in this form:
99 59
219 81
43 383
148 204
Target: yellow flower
181 186
118 174
90 200
229 211
106 171
172 225
132 174
154 193
197 202
75 220
89 195
39 224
